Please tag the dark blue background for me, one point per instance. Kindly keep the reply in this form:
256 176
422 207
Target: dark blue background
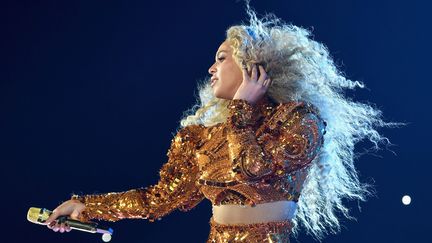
91 93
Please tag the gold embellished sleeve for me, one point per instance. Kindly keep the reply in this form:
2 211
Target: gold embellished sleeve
289 140
176 188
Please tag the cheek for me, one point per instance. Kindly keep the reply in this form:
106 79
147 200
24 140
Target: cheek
231 75
226 80
236 77
228 83
230 78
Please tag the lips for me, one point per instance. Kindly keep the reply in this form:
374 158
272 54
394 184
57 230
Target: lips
213 81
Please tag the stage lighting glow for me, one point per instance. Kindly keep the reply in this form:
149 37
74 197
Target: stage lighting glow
406 200
106 237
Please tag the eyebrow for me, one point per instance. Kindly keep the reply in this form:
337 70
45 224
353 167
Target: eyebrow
217 53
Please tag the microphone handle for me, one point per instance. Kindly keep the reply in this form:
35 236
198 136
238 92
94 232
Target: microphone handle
78 225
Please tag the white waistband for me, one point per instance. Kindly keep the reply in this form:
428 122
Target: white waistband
266 212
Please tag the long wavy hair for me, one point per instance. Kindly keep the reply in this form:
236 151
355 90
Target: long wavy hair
303 70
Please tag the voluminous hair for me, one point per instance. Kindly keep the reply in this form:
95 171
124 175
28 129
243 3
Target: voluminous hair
302 69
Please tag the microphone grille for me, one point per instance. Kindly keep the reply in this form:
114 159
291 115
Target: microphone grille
38 215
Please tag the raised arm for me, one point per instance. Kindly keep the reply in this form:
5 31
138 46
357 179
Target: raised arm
176 188
287 141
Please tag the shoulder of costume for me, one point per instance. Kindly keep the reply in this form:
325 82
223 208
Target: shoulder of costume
192 133
284 111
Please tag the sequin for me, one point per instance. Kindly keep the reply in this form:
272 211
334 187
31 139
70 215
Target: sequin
250 233
260 154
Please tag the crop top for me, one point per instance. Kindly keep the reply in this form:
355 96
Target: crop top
262 153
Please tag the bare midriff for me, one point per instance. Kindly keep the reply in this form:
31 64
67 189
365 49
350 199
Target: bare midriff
260 213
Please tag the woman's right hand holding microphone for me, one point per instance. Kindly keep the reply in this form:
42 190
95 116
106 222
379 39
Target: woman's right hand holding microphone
71 208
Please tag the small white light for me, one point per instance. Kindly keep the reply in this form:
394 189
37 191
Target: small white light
106 237
406 200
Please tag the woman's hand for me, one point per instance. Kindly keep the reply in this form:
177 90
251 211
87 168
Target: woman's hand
71 208
253 88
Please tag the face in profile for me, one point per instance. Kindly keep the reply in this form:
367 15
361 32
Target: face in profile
226 73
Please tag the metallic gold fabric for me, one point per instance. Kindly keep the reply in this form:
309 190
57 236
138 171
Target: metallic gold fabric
264 162
274 232
176 188
260 154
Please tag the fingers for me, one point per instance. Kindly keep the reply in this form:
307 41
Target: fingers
55 226
267 82
263 79
254 75
62 227
245 73
52 217
263 75
51 225
55 223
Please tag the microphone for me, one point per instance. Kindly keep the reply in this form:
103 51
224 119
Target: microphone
40 215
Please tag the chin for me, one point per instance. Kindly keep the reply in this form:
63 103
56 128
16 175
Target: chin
221 95
216 93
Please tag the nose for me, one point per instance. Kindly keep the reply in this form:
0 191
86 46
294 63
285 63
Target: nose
212 69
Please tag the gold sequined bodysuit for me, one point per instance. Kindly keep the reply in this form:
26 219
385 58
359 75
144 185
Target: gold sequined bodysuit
260 154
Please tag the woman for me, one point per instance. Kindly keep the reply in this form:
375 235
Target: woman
271 144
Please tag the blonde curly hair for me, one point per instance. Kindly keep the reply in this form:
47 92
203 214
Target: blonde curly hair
303 70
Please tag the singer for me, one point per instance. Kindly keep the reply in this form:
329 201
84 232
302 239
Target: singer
271 143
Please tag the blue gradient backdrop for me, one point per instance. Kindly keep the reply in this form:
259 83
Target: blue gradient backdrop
91 93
